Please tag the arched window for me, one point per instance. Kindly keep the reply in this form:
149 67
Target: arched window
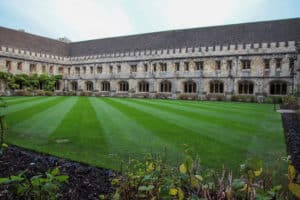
216 87
165 86
57 85
143 86
89 86
246 87
105 86
190 87
74 86
123 86
278 88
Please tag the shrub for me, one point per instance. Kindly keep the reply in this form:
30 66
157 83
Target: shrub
215 97
154 179
290 102
48 93
70 93
37 187
86 93
121 94
20 93
163 95
40 93
277 99
102 94
243 98
188 97
141 95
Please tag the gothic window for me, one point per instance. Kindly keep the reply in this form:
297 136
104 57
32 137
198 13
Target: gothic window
291 63
154 67
278 88
69 70
60 70
245 87
165 86
119 68
218 65
91 70
133 68
177 66
267 64
105 86
190 87
99 70
110 69
8 65
32 67
145 68
74 86
229 64
84 70
20 66
123 86
246 64
143 86
199 65
89 86
278 63
77 70
57 85
216 87
163 67
186 66
44 69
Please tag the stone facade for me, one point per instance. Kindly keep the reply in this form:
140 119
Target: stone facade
259 69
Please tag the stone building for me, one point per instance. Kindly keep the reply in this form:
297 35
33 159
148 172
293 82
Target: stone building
260 59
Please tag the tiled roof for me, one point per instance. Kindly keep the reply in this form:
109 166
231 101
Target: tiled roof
27 41
255 32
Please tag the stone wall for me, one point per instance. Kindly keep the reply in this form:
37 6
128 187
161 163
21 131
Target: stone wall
117 67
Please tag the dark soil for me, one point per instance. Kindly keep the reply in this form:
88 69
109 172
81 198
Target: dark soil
85 182
291 127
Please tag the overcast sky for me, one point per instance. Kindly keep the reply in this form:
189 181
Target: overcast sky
91 19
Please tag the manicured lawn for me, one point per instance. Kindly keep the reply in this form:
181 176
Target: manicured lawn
103 131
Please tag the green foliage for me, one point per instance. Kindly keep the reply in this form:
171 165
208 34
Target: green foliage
290 102
154 179
48 93
215 97
37 187
243 98
31 82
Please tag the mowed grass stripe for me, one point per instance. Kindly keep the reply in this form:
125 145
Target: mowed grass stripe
234 120
29 110
86 140
21 101
19 107
228 130
124 135
164 126
15 99
202 126
43 123
249 109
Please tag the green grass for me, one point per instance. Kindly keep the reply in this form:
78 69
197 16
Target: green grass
103 131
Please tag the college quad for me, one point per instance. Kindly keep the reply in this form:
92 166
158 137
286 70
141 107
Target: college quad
259 59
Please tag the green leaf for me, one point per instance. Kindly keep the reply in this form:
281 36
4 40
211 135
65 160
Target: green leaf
62 178
55 171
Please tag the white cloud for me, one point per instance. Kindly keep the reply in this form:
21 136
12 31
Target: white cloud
91 19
